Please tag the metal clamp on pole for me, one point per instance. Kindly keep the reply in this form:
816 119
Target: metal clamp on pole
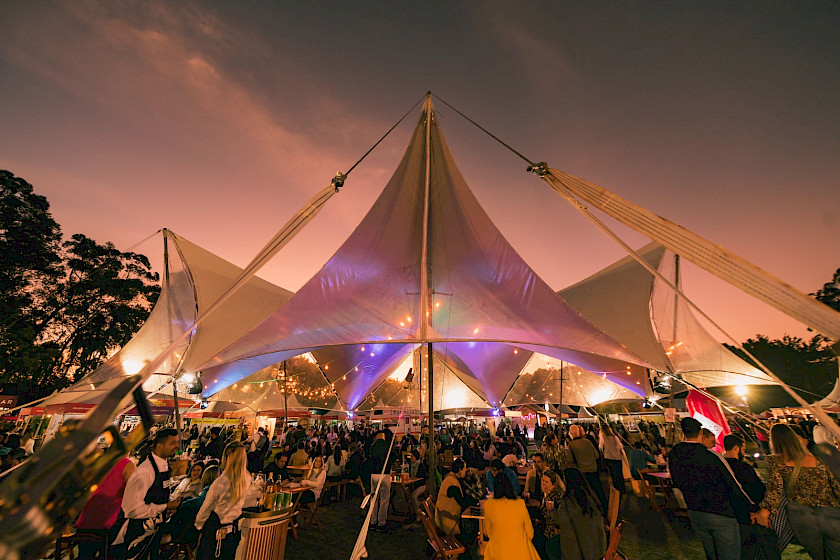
338 181
540 169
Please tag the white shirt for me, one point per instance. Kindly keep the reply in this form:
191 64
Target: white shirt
315 482
138 484
611 447
218 500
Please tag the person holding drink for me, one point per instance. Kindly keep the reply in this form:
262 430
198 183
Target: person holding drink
552 489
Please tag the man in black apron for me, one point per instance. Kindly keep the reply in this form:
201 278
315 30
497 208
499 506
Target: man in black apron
145 501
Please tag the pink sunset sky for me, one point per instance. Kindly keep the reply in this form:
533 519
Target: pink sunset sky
219 119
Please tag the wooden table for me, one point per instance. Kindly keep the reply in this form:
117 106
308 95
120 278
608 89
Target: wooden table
406 483
666 486
296 493
477 512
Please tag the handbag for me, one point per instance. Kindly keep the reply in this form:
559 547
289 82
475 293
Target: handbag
779 520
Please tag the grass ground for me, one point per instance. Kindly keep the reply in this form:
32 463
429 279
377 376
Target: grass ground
648 536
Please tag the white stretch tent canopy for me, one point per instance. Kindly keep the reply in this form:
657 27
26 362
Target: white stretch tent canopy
645 314
192 282
427 264
426 244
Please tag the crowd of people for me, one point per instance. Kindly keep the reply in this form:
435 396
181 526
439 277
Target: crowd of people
540 498
737 515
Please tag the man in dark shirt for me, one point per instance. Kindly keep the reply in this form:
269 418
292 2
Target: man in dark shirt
278 468
711 493
215 447
753 536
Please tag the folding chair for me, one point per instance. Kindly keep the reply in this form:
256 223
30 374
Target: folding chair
445 548
612 547
312 507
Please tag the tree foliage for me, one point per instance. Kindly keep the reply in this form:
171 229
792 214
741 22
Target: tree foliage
66 306
808 365
829 294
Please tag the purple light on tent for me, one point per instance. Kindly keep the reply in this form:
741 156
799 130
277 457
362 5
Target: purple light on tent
356 372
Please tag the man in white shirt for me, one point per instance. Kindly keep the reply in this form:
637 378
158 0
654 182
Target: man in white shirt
145 500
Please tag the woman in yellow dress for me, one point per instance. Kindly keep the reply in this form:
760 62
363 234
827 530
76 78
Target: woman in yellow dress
507 524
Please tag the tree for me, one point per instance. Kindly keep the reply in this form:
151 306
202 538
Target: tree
29 259
830 292
96 306
66 307
806 365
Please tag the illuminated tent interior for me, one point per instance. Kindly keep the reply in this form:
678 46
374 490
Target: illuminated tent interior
306 388
426 264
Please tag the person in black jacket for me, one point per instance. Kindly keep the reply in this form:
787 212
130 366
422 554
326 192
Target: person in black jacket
215 446
711 493
753 536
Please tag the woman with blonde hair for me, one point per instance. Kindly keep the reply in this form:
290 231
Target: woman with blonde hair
314 481
218 517
812 492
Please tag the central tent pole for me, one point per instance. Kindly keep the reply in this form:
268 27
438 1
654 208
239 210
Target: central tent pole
285 399
425 300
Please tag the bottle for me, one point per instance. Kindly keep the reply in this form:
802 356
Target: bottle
270 492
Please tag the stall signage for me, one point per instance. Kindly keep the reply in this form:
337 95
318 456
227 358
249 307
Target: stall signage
670 414
68 408
8 401
32 411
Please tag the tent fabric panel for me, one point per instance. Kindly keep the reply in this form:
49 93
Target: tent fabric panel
369 290
172 314
617 300
493 366
633 378
693 352
212 276
224 375
540 383
355 373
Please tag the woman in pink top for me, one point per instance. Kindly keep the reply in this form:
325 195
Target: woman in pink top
101 510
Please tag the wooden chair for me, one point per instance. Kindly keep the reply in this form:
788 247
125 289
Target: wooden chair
340 486
445 547
650 493
612 508
612 547
312 508
361 486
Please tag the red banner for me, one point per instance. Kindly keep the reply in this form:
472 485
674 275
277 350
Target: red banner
709 413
